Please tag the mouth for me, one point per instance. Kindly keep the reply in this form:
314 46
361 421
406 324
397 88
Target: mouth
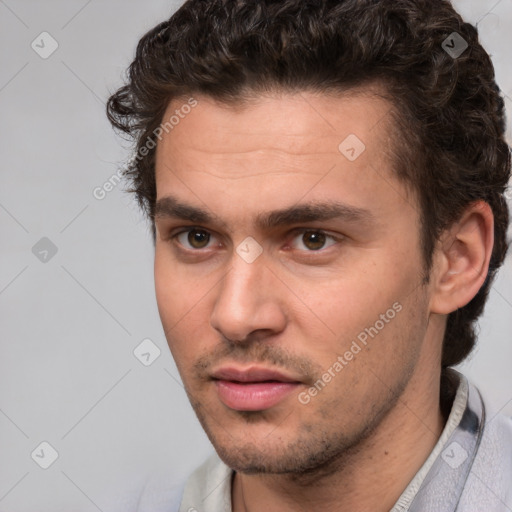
254 388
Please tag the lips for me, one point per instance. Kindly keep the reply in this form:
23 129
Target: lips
252 389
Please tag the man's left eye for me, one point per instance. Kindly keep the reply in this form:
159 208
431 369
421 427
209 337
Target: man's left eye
314 239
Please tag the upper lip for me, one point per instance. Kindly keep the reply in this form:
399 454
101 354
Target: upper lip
252 374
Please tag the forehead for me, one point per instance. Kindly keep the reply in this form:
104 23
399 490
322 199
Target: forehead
294 123
278 150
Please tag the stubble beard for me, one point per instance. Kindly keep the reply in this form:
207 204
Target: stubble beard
312 454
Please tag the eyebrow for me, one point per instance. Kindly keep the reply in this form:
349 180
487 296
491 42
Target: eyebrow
170 207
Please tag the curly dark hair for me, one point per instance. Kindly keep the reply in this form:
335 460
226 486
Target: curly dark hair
450 122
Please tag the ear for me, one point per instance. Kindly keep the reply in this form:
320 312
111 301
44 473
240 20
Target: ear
461 260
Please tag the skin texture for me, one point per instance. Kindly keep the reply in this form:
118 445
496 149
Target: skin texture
297 308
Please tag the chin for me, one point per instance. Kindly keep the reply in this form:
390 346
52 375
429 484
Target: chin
308 455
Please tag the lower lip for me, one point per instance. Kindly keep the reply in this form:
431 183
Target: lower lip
253 396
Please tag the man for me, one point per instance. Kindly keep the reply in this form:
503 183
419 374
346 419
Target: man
325 185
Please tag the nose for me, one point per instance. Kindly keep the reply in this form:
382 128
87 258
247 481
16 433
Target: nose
248 302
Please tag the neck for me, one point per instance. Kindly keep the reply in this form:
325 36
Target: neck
371 477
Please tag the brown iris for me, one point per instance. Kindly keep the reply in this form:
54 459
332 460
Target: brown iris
198 238
313 240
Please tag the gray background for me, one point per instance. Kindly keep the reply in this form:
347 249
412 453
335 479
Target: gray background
70 324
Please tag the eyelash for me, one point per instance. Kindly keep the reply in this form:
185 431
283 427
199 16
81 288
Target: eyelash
295 232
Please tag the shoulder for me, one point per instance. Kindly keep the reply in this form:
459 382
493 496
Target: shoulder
490 480
161 496
208 489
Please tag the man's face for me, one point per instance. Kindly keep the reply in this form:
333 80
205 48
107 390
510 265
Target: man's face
257 314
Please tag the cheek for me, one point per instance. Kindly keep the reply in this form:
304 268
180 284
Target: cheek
178 291
166 285
363 376
343 307
373 321
182 300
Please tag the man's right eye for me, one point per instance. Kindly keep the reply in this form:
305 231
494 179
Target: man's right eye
193 238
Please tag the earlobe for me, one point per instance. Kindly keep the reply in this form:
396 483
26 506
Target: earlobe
462 259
